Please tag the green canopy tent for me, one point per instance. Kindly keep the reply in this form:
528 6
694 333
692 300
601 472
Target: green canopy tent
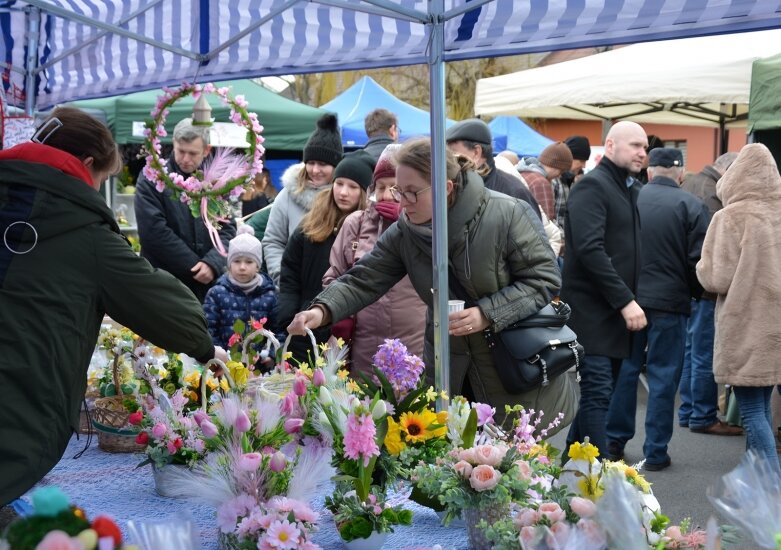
764 106
286 124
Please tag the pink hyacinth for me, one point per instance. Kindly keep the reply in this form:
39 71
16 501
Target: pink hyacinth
359 439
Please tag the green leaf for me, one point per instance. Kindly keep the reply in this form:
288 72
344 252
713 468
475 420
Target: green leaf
417 495
406 403
470 430
405 517
239 326
386 386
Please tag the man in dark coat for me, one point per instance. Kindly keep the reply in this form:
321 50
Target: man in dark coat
171 237
601 269
472 139
673 225
699 391
382 128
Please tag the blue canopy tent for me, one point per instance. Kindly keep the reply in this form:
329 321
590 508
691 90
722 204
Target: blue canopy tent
357 101
52 51
510 132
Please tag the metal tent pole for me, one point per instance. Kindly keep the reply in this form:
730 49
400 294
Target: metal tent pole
33 16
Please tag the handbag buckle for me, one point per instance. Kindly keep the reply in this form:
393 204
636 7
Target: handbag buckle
554 343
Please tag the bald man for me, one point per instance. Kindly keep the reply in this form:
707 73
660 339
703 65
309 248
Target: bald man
601 270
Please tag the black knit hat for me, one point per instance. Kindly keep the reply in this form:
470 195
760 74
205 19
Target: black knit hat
357 166
580 147
325 143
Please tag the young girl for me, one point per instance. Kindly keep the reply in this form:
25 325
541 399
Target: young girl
242 293
306 256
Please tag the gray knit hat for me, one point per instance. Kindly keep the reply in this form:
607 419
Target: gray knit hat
246 245
325 143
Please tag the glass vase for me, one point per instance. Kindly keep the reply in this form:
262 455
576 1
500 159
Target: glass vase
472 517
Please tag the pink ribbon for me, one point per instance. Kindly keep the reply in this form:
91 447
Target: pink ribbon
213 234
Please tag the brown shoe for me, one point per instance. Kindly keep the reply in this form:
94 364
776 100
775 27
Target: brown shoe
719 428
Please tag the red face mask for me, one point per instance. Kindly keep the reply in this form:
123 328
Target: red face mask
389 210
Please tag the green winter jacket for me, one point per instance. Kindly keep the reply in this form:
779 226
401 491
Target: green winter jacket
77 267
500 255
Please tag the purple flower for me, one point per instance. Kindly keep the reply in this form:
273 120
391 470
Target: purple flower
402 369
485 413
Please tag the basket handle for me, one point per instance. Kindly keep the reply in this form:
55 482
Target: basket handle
205 374
311 339
115 370
271 339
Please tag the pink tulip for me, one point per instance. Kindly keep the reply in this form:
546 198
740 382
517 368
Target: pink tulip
293 425
199 416
249 462
288 404
278 462
209 429
318 378
159 430
299 386
242 423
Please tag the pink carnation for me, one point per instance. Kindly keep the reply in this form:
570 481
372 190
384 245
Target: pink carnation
359 439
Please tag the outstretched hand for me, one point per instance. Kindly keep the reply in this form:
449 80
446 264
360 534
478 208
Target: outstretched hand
309 319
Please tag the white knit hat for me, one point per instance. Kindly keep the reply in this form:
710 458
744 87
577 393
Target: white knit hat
245 244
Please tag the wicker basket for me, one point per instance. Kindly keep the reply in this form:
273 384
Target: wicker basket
280 381
110 418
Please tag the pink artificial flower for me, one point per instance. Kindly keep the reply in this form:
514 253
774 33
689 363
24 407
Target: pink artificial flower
468 455
288 404
293 425
136 418
592 532
170 447
59 540
583 507
485 413
526 516
359 439
524 469
318 377
242 422
463 468
249 462
199 445
278 462
229 512
199 416
552 511
695 539
160 186
234 339
559 532
492 455
241 101
528 536
484 478
304 513
257 325
673 532
159 430
209 429
299 386
142 438
377 510
372 498
283 535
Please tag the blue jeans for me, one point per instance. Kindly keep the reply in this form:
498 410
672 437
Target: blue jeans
699 391
754 404
597 376
665 336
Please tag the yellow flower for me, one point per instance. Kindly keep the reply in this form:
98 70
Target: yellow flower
211 383
431 395
238 372
162 373
323 347
633 477
193 379
306 370
393 441
288 355
339 343
442 417
590 488
224 384
586 452
319 362
443 395
353 387
342 374
192 396
416 426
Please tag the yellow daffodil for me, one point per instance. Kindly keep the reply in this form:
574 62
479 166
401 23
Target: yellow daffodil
353 387
590 488
193 379
393 441
339 343
211 383
306 370
238 372
587 452
224 384
287 356
323 347
431 394
342 374
320 362
443 395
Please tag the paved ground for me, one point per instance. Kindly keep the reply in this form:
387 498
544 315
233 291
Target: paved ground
697 461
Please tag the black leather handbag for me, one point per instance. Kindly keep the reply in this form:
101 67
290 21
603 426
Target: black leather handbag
533 351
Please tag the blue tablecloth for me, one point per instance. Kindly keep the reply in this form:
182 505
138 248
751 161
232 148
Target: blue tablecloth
107 483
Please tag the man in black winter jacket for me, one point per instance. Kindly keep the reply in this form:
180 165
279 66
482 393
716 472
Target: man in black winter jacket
171 237
673 225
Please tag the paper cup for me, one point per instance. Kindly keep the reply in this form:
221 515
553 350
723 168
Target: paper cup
455 305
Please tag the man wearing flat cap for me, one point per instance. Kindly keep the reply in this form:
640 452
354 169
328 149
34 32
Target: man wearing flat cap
673 225
472 139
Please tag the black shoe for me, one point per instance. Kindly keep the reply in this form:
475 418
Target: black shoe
615 451
683 424
656 467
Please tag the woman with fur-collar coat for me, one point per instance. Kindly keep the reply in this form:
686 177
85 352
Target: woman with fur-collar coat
301 183
741 263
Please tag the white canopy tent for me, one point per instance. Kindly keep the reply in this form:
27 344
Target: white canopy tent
52 51
701 81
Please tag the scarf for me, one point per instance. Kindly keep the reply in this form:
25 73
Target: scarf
249 286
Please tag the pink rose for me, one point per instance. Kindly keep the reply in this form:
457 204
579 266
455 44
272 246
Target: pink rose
528 536
293 425
468 455
318 378
583 507
209 429
592 532
278 462
249 462
524 469
526 517
463 468
674 533
159 430
242 422
491 455
559 532
552 511
484 478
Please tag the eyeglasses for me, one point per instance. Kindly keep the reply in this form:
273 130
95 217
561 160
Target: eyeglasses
410 196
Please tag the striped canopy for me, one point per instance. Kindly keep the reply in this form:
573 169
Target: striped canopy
92 48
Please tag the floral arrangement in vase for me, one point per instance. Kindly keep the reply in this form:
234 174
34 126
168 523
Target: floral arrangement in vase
56 524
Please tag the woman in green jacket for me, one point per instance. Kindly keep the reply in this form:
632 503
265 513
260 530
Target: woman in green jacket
498 252
63 265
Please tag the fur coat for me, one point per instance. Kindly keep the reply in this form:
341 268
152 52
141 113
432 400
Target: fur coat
741 263
286 213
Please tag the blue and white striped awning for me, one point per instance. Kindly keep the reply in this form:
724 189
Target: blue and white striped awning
91 48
